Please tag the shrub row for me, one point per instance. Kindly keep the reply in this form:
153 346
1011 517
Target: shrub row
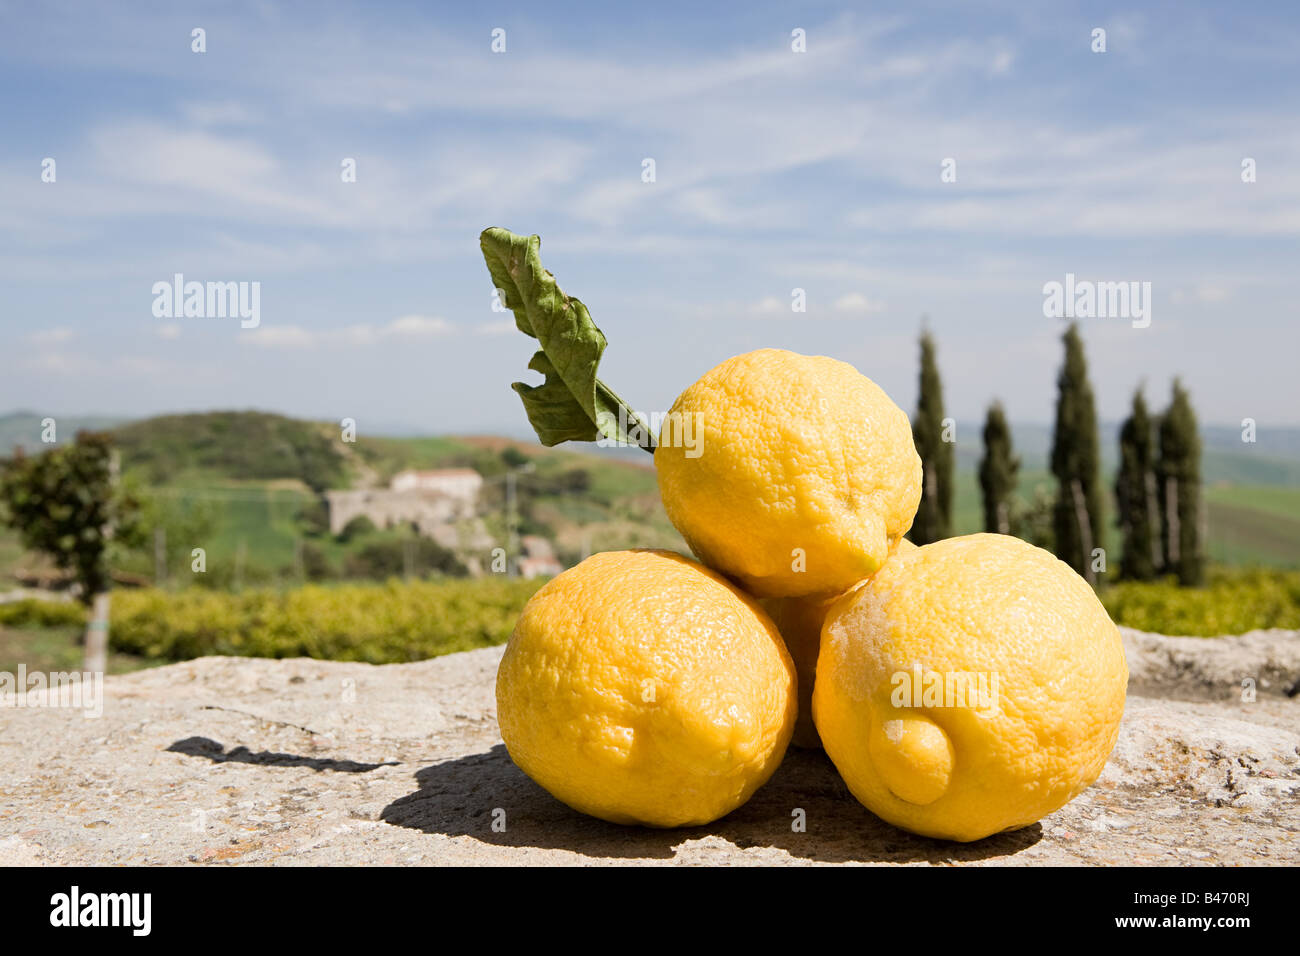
380 624
32 612
407 621
1232 602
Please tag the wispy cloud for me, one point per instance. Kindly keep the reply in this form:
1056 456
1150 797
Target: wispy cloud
855 303
409 327
50 336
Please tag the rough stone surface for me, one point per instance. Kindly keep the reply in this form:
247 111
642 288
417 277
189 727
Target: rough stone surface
246 761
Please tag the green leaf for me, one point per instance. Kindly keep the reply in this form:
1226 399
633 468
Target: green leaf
571 404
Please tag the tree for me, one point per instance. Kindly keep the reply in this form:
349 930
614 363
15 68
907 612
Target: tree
1035 520
1136 495
67 504
934 517
1077 515
315 565
998 471
358 527
1178 484
313 518
414 556
513 457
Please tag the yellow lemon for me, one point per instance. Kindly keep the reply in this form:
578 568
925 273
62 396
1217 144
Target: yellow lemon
973 685
800 622
800 473
642 688
799 619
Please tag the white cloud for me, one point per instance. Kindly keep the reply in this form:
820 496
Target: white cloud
168 330
857 303
417 326
225 113
360 334
50 336
774 307
58 363
279 336
1201 293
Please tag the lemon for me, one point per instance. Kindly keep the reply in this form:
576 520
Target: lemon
800 474
973 685
642 688
799 619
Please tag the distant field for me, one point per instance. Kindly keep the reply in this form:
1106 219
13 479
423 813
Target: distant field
1281 501
1248 524
255 518
1241 534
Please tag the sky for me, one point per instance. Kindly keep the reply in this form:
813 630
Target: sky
916 162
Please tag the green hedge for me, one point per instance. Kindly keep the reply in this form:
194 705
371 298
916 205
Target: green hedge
1232 602
377 623
31 612
407 621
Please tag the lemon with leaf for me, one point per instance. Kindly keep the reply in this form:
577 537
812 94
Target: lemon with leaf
805 475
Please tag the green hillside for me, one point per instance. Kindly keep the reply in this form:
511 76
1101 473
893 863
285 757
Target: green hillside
244 446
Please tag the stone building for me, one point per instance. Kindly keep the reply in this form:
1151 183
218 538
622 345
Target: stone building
427 500
461 483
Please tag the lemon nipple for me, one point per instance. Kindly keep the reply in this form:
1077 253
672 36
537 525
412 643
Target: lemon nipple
913 756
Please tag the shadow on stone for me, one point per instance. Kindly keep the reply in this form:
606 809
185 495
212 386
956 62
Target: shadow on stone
838 828
460 797
211 750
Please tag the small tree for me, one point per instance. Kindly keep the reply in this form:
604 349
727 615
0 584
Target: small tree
1035 521
315 565
1136 495
66 503
1178 482
513 457
357 527
934 517
1077 519
998 471
313 517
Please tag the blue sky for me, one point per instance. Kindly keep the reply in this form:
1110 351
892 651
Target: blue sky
775 170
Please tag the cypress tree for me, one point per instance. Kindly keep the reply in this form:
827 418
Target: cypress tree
1136 495
1178 483
998 470
1077 516
934 517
